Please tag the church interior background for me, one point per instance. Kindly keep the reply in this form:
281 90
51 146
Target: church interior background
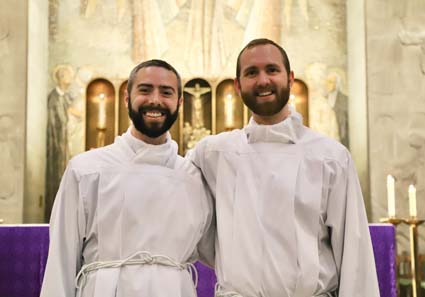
359 68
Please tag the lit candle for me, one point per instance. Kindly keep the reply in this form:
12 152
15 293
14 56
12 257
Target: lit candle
229 102
101 124
391 196
412 201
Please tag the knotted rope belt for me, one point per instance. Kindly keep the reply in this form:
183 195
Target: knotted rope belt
138 258
219 292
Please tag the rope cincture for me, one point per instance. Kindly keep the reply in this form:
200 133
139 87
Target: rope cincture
138 258
218 292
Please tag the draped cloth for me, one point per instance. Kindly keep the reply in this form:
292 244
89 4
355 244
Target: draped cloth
290 213
122 199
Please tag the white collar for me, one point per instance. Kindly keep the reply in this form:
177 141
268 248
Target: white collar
162 154
286 131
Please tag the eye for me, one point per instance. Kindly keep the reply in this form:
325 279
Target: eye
273 69
250 72
167 92
144 90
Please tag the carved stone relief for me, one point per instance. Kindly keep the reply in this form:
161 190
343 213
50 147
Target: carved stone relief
149 36
206 51
326 99
4 38
396 105
8 158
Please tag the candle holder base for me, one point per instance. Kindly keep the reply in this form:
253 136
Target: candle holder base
392 220
413 221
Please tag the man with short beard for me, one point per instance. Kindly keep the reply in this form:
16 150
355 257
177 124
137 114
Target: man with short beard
290 215
130 218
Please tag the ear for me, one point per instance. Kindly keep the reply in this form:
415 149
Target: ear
291 79
237 86
180 100
126 98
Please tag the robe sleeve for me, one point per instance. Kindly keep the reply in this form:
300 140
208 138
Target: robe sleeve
194 155
206 249
350 236
67 229
206 246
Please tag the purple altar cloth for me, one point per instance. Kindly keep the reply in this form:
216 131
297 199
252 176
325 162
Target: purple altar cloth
23 255
384 249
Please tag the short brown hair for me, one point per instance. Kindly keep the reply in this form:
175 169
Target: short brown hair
154 63
262 41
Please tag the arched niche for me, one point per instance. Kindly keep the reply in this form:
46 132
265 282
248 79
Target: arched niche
299 99
197 115
123 118
100 113
229 107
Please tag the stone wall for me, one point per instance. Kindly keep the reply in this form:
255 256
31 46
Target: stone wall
106 39
396 103
13 91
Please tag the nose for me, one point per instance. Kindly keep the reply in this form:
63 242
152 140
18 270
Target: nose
154 98
263 79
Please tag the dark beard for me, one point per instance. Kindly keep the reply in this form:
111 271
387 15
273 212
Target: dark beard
268 108
152 130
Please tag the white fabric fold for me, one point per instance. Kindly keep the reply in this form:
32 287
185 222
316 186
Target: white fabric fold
120 199
283 132
290 215
145 153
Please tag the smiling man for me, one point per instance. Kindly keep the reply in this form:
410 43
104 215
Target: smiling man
290 215
130 218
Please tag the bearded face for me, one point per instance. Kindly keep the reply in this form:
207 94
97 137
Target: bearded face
266 101
264 83
152 129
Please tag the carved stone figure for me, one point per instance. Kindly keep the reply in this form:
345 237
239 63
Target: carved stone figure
206 51
195 130
149 36
197 109
263 21
410 166
57 150
76 124
338 101
303 5
322 117
415 38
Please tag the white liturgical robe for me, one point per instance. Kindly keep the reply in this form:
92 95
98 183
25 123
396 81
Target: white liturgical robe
125 198
290 215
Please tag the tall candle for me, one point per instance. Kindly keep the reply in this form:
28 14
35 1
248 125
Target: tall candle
101 123
229 104
412 201
391 196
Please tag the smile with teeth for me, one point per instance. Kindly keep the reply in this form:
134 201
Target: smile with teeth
264 93
153 114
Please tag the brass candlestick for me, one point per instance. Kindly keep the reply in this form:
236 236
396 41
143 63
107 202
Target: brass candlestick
414 223
392 220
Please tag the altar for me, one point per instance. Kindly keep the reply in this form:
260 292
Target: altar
24 248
